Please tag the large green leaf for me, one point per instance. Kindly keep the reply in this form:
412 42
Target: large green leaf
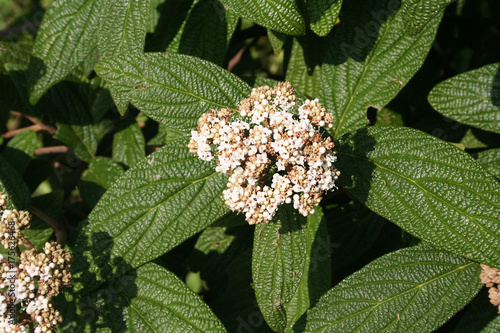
283 16
417 13
201 28
14 61
317 274
322 15
40 231
278 263
65 38
370 60
304 66
122 27
277 40
154 15
159 203
216 248
173 89
20 150
75 126
353 229
472 98
243 314
148 299
428 187
101 173
204 33
13 185
129 145
490 160
416 289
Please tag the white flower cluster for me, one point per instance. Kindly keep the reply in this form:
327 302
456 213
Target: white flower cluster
490 276
273 150
33 281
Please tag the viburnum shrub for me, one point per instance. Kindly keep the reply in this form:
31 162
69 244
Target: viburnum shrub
250 166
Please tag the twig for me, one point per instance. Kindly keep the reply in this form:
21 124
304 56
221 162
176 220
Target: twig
36 127
26 243
51 150
237 58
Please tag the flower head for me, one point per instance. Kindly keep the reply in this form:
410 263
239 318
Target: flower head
273 150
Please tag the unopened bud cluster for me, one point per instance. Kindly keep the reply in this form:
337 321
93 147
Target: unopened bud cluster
28 284
491 278
273 150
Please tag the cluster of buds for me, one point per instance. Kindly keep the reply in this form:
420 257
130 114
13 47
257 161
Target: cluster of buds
491 278
28 284
273 150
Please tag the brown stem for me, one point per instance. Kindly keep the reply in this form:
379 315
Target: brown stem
51 150
36 127
26 243
237 58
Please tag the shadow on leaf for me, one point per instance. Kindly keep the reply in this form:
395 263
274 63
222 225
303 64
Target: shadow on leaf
102 288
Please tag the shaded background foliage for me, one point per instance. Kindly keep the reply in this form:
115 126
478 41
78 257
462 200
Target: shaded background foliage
97 98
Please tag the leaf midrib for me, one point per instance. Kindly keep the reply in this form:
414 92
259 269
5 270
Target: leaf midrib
420 286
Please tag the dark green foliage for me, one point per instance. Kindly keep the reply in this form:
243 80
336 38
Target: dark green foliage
99 98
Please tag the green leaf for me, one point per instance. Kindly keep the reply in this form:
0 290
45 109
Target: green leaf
322 15
428 187
472 98
490 160
74 122
232 20
157 204
14 61
122 27
129 146
201 28
277 40
13 185
149 299
283 16
354 229
388 117
243 314
154 15
16 52
165 135
49 204
317 275
278 263
416 289
101 173
205 32
20 150
369 61
163 300
417 13
216 248
304 67
173 89
65 38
